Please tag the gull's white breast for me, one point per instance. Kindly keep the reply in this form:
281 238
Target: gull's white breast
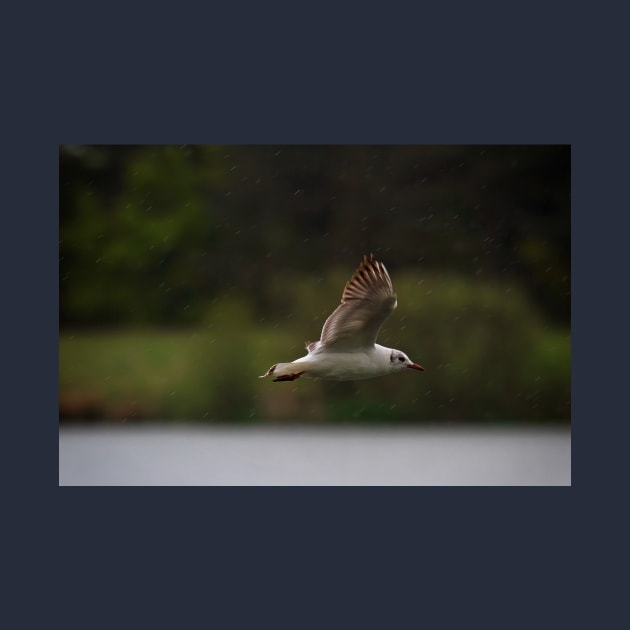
347 366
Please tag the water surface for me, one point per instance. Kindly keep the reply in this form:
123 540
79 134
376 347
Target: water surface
184 455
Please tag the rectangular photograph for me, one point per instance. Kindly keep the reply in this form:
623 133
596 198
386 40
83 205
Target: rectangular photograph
315 315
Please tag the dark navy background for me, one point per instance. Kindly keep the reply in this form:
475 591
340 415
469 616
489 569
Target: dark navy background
366 557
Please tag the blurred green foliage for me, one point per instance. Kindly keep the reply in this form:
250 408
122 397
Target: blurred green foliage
186 271
136 258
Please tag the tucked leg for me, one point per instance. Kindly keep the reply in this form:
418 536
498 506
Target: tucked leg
288 377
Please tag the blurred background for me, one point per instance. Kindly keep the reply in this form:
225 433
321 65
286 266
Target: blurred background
187 271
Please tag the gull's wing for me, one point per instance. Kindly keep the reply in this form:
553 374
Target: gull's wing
367 300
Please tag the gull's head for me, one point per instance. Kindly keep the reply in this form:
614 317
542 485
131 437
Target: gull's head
399 361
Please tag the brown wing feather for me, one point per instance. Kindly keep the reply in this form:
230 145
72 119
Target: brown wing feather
367 300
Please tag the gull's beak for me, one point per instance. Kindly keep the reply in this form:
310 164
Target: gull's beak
415 366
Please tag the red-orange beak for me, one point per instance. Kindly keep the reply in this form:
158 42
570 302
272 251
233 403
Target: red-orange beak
415 366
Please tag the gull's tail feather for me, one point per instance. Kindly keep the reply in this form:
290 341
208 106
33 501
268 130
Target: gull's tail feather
283 372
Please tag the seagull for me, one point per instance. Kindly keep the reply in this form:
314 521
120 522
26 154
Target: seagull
347 350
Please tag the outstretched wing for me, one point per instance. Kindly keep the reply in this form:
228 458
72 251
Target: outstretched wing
367 300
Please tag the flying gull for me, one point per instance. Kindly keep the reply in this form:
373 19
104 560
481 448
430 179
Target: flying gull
347 349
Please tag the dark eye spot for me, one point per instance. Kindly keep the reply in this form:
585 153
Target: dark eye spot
401 358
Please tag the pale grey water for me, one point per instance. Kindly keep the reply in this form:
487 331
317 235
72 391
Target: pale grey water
176 455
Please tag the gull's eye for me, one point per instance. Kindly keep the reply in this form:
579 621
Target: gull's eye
401 358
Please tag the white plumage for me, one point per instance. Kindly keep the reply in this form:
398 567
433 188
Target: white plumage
347 349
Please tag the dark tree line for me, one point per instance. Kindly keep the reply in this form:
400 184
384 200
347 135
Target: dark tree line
148 234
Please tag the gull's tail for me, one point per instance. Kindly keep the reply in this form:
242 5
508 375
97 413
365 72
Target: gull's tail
283 372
